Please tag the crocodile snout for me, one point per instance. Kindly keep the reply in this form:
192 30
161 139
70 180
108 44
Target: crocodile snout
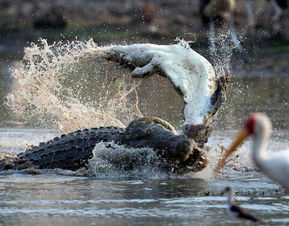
184 149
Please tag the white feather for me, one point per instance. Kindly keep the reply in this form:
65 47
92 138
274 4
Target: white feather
276 165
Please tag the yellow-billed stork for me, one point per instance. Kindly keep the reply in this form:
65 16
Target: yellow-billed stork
274 165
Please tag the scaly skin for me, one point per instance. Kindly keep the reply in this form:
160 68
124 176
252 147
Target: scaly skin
72 151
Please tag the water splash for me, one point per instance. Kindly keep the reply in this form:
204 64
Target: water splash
221 51
68 86
113 160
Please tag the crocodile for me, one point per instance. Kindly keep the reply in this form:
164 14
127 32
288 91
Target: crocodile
194 79
179 153
72 151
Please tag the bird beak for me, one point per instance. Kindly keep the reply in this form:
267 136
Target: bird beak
241 136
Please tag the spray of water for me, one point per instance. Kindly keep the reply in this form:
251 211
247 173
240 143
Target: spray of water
66 86
69 86
113 160
221 50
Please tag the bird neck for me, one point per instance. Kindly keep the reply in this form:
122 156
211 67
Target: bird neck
259 146
230 198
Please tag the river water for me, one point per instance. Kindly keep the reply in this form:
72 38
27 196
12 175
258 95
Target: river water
60 197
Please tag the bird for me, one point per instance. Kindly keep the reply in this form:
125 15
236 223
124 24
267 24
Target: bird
235 210
274 165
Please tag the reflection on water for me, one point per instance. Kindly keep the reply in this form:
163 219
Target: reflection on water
51 200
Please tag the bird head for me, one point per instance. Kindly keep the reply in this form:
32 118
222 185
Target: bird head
256 124
228 190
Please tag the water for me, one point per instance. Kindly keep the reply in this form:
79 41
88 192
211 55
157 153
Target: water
60 197
83 201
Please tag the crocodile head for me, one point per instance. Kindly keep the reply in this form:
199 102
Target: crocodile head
180 153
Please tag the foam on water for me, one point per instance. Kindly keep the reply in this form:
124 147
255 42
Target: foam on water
115 160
